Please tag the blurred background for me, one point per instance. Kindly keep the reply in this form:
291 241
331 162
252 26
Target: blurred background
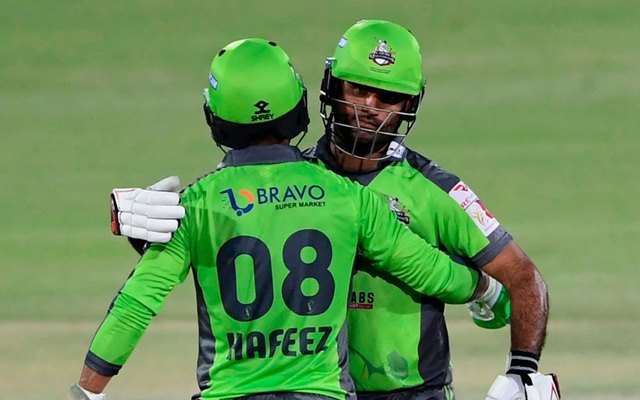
534 104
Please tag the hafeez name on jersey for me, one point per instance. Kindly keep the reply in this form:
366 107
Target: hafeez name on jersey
290 342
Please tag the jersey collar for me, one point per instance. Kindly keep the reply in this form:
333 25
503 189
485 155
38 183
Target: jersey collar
271 154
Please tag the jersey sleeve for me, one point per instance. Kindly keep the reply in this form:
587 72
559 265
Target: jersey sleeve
477 234
161 268
393 249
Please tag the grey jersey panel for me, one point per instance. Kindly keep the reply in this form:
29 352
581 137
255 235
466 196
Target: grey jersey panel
206 341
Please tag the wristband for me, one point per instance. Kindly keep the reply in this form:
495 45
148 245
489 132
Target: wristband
522 363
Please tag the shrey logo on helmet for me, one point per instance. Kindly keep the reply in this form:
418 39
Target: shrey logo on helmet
262 114
382 54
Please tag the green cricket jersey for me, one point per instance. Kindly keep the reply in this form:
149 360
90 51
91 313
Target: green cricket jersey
398 339
271 240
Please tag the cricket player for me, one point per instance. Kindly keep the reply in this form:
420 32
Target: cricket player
398 340
271 241
370 97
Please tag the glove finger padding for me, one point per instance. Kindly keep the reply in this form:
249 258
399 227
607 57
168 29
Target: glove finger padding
145 234
147 214
152 224
156 198
168 184
126 199
158 211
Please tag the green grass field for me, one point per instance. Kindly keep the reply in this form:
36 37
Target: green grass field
534 104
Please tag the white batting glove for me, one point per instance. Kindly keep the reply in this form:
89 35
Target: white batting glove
537 387
151 214
523 381
79 393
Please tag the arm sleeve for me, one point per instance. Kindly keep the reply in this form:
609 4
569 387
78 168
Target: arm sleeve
393 249
161 268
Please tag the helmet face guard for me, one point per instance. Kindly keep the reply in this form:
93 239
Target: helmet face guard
254 92
380 55
347 137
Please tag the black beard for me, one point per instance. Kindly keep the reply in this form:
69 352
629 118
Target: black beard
362 147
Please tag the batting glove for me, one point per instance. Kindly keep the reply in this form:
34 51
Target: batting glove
151 214
523 381
493 309
535 386
79 393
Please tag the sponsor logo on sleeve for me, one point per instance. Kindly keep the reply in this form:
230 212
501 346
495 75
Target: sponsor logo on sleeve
473 206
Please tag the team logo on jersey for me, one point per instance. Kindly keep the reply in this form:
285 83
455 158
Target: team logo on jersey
473 206
382 54
233 203
292 196
261 114
402 212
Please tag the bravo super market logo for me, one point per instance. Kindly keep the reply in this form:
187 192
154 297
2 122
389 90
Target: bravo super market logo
293 196
250 200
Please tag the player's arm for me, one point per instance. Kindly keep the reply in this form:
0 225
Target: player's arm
529 305
393 249
90 386
496 253
147 215
161 268
488 246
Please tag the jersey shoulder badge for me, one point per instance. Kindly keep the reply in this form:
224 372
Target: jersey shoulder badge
402 212
473 206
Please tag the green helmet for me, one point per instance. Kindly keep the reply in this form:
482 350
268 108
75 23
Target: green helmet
381 55
254 91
